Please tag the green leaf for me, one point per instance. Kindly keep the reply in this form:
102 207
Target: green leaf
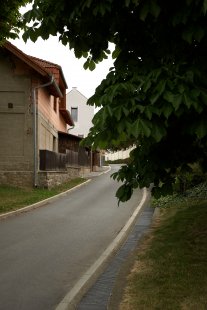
78 53
127 3
141 127
124 193
144 11
118 113
168 96
154 8
201 129
154 98
187 100
189 76
91 65
148 112
175 99
110 112
25 36
146 85
85 54
199 34
64 40
140 107
160 87
116 52
86 64
125 110
158 132
33 36
187 35
195 93
197 106
204 6
167 110
204 97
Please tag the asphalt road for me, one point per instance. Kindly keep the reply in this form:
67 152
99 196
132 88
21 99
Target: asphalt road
45 251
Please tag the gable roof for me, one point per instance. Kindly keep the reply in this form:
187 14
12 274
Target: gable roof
43 67
51 67
75 90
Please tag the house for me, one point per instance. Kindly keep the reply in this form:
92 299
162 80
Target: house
82 114
120 154
32 114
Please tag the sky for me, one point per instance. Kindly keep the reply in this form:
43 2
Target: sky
52 50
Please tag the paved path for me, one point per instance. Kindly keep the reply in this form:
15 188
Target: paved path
45 251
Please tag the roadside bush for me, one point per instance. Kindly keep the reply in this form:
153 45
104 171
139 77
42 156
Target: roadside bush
189 178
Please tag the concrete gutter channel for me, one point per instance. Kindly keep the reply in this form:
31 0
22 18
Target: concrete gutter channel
76 298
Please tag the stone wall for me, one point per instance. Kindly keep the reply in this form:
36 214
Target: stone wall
50 179
17 178
47 179
84 170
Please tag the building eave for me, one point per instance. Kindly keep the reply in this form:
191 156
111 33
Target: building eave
67 117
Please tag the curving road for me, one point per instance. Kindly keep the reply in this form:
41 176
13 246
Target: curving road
45 251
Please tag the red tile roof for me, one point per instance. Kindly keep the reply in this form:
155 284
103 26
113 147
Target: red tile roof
51 67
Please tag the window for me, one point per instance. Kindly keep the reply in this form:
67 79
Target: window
74 114
55 104
54 144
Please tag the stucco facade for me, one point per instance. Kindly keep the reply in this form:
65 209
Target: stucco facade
85 113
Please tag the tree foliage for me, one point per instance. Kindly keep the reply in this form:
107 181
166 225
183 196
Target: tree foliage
155 96
10 18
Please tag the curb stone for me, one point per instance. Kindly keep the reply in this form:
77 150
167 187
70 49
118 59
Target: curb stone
40 203
47 200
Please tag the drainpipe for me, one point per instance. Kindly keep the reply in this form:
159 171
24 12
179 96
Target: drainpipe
35 123
70 128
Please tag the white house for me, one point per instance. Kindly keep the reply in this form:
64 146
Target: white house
120 154
82 114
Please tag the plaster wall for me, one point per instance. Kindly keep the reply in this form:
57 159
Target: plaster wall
74 99
46 107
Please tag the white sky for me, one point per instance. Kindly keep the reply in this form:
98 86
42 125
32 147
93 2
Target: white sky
52 50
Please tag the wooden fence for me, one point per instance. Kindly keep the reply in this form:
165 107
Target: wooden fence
51 161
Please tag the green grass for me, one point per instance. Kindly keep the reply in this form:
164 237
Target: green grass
13 198
170 270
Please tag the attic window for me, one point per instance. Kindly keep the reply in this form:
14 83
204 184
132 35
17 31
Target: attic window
74 114
10 105
55 104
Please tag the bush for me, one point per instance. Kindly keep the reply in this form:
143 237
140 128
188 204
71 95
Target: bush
118 161
189 178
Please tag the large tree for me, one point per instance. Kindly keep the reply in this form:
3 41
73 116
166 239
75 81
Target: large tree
155 96
10 18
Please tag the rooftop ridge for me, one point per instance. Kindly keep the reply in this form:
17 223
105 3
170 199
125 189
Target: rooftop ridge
44 61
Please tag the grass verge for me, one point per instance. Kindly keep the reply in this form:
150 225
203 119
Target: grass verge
170 267
13 198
